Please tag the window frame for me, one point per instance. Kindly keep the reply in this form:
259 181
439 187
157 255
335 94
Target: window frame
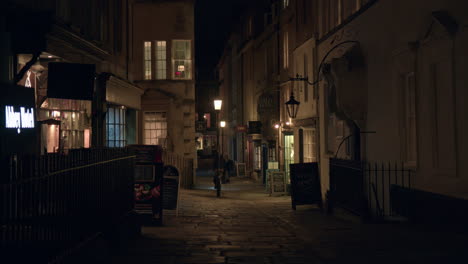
147 60
188 60
118 124
155 129
160 57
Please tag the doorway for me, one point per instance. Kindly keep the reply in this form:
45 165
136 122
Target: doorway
288 154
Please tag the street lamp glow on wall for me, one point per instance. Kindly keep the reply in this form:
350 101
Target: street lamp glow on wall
217 104
222 123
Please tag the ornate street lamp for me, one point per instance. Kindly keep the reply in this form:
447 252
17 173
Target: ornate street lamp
292 106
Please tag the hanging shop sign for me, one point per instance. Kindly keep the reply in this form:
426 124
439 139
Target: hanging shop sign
255 127
17 119
22 119
71 81
267 104
241 128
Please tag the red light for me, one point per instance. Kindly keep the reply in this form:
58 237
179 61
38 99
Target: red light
177 73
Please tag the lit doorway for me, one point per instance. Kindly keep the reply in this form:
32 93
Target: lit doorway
288 154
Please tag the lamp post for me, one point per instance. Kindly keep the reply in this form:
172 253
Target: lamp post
217 107
222 124
278 127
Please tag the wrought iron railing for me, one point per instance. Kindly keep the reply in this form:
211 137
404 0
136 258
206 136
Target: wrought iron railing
51 203
379 179
363 188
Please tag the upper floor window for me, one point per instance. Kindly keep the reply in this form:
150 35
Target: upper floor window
285 50
285 3
161 60
181 60
147 60
409 124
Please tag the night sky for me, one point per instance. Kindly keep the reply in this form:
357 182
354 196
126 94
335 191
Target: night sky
213 22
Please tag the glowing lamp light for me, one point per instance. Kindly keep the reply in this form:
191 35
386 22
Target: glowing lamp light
292 106
181 68
217 104
277 126
222 124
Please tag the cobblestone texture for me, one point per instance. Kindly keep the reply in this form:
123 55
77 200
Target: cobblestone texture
245 225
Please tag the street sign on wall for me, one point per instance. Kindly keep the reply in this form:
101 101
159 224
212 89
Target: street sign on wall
241 128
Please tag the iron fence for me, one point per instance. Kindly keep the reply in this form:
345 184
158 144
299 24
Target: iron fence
379 179
363 188
51 203
346 185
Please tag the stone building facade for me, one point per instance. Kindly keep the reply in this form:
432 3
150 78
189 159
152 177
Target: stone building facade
163 64
380 88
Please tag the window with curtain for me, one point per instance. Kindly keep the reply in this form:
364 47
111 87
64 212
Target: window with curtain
147 60
115 126
310 144
161 60
181 60
155 129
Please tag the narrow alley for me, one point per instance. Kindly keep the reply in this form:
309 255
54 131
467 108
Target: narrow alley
246 225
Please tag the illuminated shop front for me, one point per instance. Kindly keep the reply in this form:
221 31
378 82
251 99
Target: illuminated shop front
72 128
64 123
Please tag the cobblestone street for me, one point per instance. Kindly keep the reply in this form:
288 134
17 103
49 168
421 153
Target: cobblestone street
246 225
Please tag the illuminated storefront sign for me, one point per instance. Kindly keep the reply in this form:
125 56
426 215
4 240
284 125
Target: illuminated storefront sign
19 120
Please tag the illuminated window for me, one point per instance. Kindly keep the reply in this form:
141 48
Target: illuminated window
285 50
161 68
147 60
115 125
310 145
155 129
285 3
181 60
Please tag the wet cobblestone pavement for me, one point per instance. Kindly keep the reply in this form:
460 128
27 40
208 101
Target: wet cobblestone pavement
235 228
246 225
